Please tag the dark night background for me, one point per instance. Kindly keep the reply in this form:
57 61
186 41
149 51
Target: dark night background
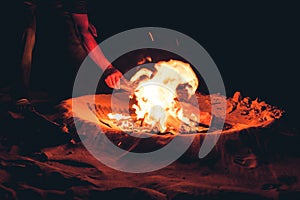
254 44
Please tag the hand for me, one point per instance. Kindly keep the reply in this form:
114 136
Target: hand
113 79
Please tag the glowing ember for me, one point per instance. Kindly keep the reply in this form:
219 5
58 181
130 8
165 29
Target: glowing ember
156 94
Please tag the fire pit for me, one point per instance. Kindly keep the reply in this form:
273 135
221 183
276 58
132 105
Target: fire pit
163 104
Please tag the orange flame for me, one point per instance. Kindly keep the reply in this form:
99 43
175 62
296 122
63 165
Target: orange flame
156 93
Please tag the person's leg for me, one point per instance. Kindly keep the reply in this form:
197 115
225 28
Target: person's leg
75 51
26 48
27 45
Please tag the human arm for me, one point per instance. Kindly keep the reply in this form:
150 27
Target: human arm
88 33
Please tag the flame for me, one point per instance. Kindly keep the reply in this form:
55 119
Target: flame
155 96
156 93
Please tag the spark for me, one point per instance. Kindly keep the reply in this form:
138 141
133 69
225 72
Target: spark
151 36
